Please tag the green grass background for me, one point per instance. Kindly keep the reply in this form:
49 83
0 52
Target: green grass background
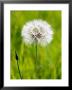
49 57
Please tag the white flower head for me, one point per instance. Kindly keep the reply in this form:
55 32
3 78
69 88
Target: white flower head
37 31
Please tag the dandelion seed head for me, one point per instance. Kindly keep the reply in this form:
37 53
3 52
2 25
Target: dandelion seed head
37 31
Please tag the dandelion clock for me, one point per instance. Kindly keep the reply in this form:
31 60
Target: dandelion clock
37 32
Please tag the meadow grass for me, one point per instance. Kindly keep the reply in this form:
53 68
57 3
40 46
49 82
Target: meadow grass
49 61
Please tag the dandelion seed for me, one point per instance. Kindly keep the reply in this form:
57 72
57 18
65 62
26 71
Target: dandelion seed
37 31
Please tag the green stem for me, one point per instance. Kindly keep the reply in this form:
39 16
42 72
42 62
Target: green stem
36 60
37 63
36 52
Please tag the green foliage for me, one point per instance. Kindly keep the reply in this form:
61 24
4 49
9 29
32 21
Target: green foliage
48 65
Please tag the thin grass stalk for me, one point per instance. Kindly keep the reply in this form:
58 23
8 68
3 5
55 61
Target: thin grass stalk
19 70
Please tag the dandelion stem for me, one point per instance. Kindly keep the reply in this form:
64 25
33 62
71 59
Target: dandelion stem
37 63
36 52
36 59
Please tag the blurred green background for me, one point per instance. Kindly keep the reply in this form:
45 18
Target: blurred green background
48 58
